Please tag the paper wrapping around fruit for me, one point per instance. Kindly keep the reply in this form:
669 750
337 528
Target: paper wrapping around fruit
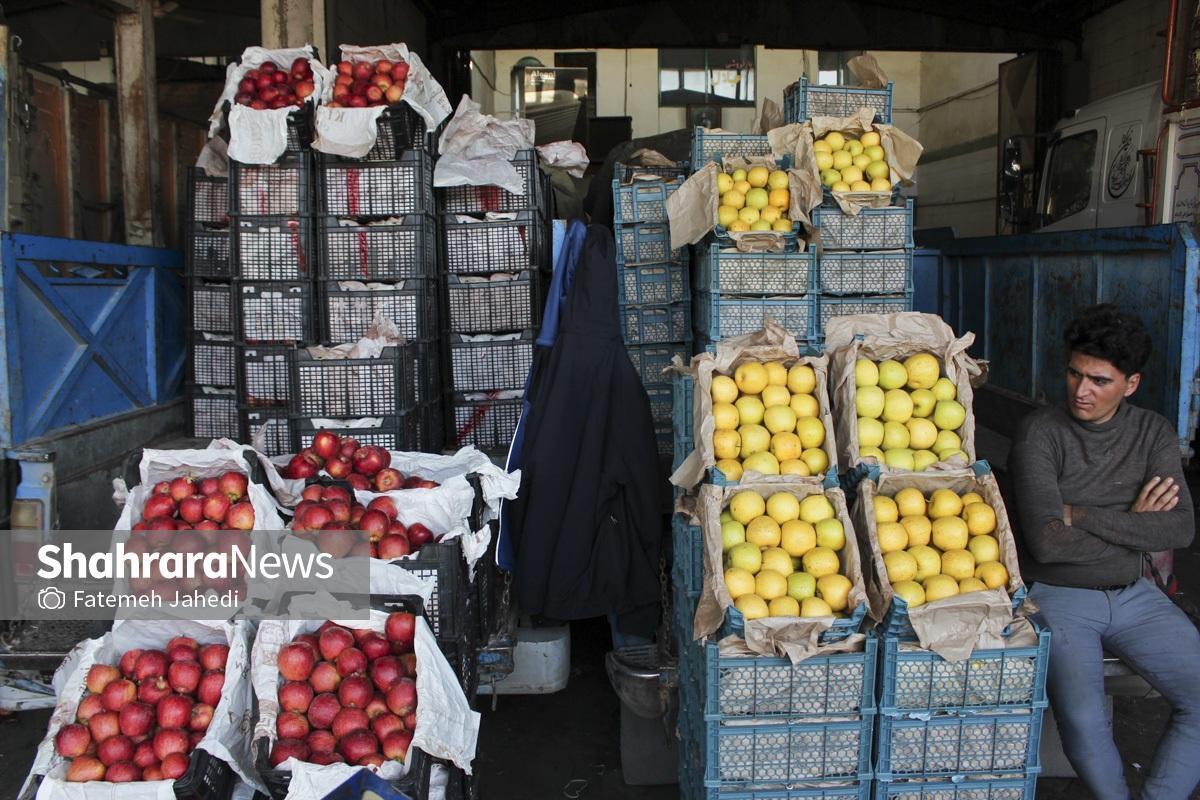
897 337
772 344
226 735
965 616
571 157
774 625
870 75
475 149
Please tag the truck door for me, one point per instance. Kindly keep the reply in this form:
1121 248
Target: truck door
1071 190
1121 187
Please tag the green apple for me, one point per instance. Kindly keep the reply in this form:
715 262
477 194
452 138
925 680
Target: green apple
868 401
745 556
800 586
892 374
732 533
949 415
923 401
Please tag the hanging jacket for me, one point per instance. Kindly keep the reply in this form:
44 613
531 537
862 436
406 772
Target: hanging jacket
585 527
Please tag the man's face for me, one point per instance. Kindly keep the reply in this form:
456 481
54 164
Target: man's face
1095 388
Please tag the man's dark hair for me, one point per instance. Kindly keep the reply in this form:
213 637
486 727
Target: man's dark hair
1105 331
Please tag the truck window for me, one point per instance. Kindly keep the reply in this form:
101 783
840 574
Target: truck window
1069 181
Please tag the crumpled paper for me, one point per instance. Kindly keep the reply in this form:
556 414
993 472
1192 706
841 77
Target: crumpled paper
225 738
902 151
868 72
771 117
954 626
214 158
475 149
897 336
570 157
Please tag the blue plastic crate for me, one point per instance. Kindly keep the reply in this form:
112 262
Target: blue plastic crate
651 360
896 622
830 307
1021 788
740 756
850 791
640 284
735 624
642 201
791 239
682 449
688 545
959 746
661 324
914 681
732 272
664 440
803 101
880 272
645 243
760 687
660 404
888 228
721 317
709 146
683 410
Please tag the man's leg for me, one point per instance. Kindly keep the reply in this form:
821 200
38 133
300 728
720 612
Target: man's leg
1077 619
1153 636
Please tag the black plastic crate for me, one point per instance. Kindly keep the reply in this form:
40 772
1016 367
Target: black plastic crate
487 305
482 199
624 172
275 312
380 251
212 413
360 387
207 778
447 606
363 189
274 424
273 248
208 251
349 308
487 424
210 306
212 360
479 364
394 432
485 246
399 128
207 198
284 188
263 375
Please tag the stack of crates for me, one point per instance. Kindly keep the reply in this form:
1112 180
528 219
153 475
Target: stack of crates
496 264
653 287
737 292
376 234
212 372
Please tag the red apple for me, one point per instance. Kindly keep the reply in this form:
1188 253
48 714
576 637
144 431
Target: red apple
369 460
383 81
209 690
310 639
183 642
410 721
209 486
291 725
349 446
247 86
184 676
170 740
150 664
288 748
383 503
356 691
214 656
85 768
386 671
374 646
358 745
363 70
394 93
152 772
296 661
323 710
326 758
136 719
202 714
395 746
400 70
118 694
419 535
375 523
191 509
104 725
216 507
402 697
312 493
377 706
351 661
114 749
182 488
152 690
316 517
143 754
394 546
326 444
409 662
401 627
295 696
321 742
241 516
158 505
348 720
384 724
373 94
267 67
356 481
299 467
301 65
345 68
174 766
257 104
383 66
101 675
123 772
174 711
324 678
338 467
72 740
333 641
340 509
89 707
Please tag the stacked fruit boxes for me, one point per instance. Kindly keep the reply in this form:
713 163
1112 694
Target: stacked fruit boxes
652 284
496 260
212 372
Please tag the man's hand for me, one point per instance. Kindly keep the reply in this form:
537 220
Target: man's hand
1159 494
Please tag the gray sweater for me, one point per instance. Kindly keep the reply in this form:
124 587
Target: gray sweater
1098 470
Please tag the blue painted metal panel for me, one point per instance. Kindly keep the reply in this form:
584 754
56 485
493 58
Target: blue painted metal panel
1018 293
927 280
90 329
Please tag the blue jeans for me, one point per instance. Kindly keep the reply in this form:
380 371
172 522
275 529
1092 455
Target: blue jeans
1154 637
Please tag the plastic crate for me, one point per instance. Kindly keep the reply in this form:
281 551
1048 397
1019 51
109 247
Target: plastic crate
212 413
480 246
733 272
682 410
646 243
721 317
381 251
398 128
266 190
914 680
490 364
397 380
483 305
407 432
660 403
275 312
488 425
482 199
207 198
651 360
737 756
207 252
377 188
624 173
272 425
641 325
735 623
688 545
712 146
803 101
212 360
210 306
653 283
979 744
871 229
264 375
349 308
447 606
880 272
273 248
663 440
897 624
831 307
1020 788
642 200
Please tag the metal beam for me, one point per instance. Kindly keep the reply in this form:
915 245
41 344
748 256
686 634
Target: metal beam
137 107
107 8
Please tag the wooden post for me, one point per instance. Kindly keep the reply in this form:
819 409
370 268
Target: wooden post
289 23
137 109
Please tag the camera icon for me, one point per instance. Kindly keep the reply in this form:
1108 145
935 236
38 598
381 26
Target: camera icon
51 599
